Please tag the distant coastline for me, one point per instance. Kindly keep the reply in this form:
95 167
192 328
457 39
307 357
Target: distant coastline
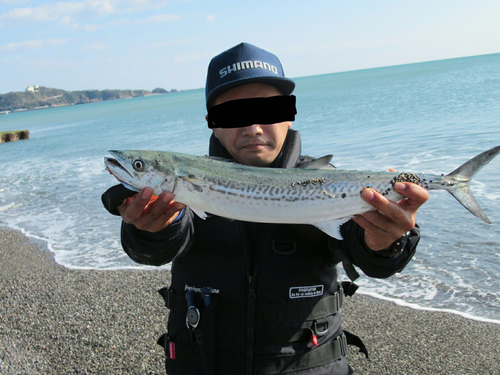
40 97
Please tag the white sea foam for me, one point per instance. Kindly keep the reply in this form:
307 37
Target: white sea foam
50 186
415 306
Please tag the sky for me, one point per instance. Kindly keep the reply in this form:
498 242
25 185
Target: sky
144 44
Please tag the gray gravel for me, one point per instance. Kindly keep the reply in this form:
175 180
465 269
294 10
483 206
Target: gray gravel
55 320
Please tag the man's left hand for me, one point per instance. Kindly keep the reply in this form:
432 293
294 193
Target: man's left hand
391 219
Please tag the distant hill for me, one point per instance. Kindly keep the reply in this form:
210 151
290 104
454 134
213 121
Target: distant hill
44 97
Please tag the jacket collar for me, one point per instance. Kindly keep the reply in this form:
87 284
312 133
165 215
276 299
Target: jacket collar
288 157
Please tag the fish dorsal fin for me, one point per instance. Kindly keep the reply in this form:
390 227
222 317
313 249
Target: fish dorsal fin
321 163
332 228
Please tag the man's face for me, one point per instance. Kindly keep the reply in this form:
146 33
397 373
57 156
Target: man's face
256 145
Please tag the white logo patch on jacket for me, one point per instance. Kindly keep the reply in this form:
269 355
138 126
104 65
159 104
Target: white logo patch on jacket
306 291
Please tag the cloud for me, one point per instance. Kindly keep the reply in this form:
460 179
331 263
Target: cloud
169 43
45 13
95 47
160 18
211 18
33 44
90 27
15 2
58 10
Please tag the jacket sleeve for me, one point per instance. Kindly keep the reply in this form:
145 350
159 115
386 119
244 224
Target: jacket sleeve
372 264
144 247
159 248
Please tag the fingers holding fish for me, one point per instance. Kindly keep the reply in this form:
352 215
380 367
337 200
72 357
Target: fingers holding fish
150 212
377 237
415 195
380 230
390 219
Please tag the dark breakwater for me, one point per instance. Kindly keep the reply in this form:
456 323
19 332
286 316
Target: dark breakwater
14 135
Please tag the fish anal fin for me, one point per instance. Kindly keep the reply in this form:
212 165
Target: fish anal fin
200 213
332 228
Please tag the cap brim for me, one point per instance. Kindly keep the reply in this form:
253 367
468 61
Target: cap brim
285 85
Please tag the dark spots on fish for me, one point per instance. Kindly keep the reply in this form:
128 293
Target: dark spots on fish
313 181
231 193
344 195
217 190
197 188
406 177
386 191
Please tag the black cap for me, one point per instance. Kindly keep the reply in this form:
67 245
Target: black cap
241 65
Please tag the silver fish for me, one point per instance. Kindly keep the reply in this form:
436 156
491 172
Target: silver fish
317 194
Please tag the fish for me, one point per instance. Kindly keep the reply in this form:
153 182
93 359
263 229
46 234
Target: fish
317 194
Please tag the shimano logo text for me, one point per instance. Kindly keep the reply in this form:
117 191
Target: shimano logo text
247 65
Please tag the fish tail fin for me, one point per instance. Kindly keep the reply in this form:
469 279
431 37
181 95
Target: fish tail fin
463 175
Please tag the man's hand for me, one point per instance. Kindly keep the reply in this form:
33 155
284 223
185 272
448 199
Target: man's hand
391 219
150 212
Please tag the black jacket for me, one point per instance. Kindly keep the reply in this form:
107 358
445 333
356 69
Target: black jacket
274 301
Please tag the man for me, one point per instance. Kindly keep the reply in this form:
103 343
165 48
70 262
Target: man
253 298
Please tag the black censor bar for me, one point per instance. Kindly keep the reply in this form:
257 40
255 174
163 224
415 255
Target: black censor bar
245 112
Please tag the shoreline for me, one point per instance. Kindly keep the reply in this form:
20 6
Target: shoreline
61 320
21 110
398 302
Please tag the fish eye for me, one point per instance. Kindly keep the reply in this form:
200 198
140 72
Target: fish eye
138 165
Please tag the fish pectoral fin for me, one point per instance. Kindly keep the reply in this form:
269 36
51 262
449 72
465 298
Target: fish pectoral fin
321 163
332 228
201 214
199 184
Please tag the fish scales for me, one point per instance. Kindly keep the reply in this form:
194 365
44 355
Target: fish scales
296 196
317 194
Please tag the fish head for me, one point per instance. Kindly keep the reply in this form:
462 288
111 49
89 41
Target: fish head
139 169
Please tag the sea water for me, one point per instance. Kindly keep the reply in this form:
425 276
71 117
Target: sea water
427 117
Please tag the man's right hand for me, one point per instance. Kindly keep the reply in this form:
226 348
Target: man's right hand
150 212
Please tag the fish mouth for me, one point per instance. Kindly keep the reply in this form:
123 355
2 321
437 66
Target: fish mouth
117 167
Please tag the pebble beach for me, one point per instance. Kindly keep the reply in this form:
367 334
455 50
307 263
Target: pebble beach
56 320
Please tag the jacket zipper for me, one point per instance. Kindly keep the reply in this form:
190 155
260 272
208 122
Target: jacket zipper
250 323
